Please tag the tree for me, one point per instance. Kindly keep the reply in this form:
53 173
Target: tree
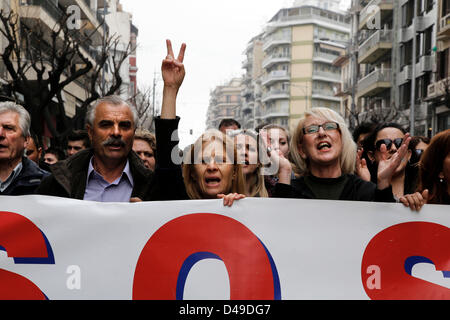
144 103
375 113
41 63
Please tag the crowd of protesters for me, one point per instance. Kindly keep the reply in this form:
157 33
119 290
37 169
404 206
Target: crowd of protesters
112 161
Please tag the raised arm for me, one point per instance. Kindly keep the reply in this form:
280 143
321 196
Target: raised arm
173 73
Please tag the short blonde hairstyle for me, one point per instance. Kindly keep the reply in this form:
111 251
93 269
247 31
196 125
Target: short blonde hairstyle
194 153
348 154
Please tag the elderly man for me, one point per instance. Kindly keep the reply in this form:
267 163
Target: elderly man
109 171
18 174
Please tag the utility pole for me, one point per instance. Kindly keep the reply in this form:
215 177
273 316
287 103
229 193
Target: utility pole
354 62
153 93
413 73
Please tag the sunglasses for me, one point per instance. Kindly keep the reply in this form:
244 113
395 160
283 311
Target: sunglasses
327 126
388 142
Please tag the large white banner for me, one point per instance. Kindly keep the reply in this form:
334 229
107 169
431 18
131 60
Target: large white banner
259 249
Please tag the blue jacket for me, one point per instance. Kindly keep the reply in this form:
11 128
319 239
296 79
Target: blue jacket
27 181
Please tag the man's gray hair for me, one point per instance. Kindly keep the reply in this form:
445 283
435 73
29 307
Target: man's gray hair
111 100
24 116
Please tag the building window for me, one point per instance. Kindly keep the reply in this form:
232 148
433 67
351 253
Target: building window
405 95
445 7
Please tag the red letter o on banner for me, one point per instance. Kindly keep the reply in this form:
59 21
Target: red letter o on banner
395 249
251 271
23 241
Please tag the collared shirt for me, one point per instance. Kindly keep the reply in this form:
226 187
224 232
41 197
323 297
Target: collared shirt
98 189
16 171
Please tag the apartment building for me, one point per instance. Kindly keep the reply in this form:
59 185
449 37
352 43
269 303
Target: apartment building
251 93
439 90
120 25
225 102
299 46
46 14
133 88
391 73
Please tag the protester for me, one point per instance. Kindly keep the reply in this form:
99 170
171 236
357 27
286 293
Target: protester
361 132
210 168
390 136
110 171
33 149
249 146
229 124
76 141
434 169
277 139
52 155
206 178
145 147
18 174
323 148
359 135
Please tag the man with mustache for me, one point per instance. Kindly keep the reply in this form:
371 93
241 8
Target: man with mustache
109 171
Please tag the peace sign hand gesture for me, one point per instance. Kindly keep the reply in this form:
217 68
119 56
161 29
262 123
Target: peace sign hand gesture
173 69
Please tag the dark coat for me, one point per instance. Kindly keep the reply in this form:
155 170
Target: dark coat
355 189
27 181
69 176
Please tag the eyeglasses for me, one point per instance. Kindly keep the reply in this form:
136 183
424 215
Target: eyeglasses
327 126
388 142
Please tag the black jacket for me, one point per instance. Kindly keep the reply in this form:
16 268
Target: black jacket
69 177
27 181
355 189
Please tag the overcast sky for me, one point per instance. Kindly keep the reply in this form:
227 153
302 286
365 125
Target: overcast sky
216 33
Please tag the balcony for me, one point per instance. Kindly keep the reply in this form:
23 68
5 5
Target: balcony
438 89
40 13
327 76
277 40
382 7
276 95
425 64
406 34
93 22
444 26
343 89
44 13
375 82
246 63
320 56
425 21
310 14
324 94
375 47
276 112
275 76
405 75
276 58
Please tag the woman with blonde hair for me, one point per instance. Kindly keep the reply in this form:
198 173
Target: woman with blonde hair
210 168
208 171
323 148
